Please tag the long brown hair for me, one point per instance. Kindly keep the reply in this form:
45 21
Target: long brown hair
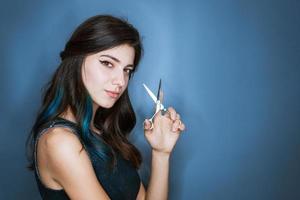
66 89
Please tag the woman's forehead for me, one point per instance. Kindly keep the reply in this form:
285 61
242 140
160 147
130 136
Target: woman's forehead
122 53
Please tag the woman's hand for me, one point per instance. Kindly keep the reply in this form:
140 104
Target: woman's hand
163 136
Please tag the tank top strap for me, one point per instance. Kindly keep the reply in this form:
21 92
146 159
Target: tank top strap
57 122
60 122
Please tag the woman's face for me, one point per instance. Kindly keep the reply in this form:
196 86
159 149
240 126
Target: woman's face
106 73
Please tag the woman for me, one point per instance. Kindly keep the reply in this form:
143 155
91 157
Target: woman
79 146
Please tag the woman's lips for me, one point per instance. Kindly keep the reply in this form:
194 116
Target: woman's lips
112 94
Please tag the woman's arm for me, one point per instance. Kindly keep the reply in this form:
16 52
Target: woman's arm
158 185
162 139
69 166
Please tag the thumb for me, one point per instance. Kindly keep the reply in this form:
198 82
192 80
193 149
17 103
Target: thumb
147 125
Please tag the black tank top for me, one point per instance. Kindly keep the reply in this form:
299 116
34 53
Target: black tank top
121 183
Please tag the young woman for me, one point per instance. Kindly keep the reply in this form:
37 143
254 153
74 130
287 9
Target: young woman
78 146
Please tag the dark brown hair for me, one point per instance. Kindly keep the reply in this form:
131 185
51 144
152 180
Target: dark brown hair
66 89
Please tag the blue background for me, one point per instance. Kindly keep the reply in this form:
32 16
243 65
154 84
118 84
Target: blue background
231 69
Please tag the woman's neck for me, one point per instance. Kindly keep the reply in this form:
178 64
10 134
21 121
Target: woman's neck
68 115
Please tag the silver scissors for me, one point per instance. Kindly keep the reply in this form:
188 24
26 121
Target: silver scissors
158 102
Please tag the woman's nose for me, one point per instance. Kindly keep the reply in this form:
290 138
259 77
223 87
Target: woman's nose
119 78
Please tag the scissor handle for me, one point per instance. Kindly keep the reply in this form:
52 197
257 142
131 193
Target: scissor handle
163 111
151 120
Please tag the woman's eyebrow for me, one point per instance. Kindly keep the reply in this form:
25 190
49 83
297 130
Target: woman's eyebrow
115 59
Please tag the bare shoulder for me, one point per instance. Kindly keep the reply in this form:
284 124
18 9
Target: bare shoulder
61 140
69 164
61 145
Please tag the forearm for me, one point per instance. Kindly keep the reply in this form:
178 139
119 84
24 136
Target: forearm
158 184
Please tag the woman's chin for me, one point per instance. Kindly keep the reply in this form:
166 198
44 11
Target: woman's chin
106 104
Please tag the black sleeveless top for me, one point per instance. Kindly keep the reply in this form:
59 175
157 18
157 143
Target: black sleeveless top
123 182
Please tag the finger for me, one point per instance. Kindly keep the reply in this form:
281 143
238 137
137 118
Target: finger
176 125
147 124
172 113
157 114
177 116
182 127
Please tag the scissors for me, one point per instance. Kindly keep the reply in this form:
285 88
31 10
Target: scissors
158 102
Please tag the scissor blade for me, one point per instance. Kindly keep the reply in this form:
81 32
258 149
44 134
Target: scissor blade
158 92
150 93
152 96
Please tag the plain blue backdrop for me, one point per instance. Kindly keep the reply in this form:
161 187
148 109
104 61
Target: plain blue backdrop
231 69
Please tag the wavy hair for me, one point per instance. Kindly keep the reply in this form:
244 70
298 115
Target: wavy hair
66 89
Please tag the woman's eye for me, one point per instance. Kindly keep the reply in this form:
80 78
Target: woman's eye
106 63
128 71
